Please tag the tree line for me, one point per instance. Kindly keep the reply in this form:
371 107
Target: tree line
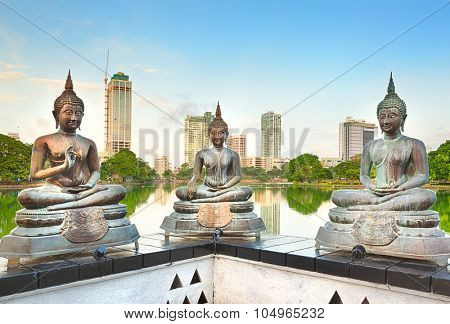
124 166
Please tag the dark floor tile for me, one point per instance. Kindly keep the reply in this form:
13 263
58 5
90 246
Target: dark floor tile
248 253
52 271
153 256
181 253
16 280
412 275
440 282
125 260
304 259
336 263
90 267
277 254
202 250
372 268
226 249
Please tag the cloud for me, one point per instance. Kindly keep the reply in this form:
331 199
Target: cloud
9 99
7 65
11 75
151 70
145 69
59 84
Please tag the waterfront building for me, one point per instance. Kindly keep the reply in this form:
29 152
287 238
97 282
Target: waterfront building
271 135
238 144
14 135
195 135
353 135
330 162
118 114
161 165
266 163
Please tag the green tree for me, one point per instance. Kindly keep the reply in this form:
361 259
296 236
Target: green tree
124 166
167 175
306 168
185 172
15 158
347 170
439 162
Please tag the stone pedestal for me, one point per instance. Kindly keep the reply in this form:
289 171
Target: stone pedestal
42 233
185 219
405 234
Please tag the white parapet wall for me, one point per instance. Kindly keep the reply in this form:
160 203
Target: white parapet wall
222 280
171 283
261 283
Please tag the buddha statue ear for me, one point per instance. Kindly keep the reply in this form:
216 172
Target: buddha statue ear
55 115
403 123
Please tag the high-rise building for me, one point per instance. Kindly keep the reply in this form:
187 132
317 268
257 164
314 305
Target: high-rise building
118 114
238 144
161 165
271 135
353 135
196 135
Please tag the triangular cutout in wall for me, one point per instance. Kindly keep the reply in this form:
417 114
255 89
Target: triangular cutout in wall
195 278
365 301
202 299
176 283
336 299
186 300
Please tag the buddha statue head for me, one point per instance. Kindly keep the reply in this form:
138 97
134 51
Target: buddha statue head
218 129
391 112
68 109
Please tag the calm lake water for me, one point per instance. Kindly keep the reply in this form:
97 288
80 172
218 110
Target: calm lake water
286 210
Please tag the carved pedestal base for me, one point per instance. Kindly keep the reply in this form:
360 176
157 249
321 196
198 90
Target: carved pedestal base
407 234
43 233
187 221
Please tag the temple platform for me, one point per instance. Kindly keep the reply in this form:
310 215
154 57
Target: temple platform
277 269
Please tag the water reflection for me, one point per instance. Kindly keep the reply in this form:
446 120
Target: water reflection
297 211
136 196
306 200
442 206
8 207
269 201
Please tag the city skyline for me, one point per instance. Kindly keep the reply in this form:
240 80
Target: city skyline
271 57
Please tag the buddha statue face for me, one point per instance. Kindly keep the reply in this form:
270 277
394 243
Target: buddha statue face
69 117
218 136
390 120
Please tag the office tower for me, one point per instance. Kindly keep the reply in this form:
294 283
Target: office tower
196 135
118 114
161 165
353 135
271 135
238 144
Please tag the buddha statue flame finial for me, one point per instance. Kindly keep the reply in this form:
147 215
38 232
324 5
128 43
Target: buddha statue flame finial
392 100
218 122
68 96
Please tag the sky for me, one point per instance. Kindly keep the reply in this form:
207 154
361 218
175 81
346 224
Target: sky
332 57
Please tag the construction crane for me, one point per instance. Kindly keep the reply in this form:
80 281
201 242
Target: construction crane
106 102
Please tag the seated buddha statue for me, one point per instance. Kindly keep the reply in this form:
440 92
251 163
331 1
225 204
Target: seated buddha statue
73 172
401 166
223 170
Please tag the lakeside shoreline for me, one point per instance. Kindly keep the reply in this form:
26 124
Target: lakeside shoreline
249 183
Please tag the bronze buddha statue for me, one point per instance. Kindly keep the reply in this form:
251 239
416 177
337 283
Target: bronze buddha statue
401 166
71 179
223 170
